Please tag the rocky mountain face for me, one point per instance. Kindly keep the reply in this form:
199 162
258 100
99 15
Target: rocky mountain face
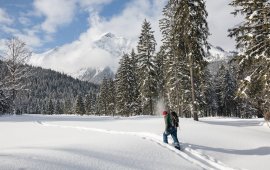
94 75
217 57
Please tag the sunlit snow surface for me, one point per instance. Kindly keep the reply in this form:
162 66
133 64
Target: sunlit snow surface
89 142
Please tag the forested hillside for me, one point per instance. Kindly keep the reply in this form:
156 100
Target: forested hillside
48 92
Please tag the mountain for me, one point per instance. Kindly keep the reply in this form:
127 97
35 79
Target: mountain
94 75
82 58
113 44
217 57
44 85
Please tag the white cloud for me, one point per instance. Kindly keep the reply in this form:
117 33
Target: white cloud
220 20
24 20
82 53
57 13
72 57
128 23
5 18
62 12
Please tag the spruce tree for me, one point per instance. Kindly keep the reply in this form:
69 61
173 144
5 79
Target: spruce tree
111 97
88 104
4 103
68 107
58 108
252 38
80 108
123 87
147 68
50 107
103 97
134 78
185 31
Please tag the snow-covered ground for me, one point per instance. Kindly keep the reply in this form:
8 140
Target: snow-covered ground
89 142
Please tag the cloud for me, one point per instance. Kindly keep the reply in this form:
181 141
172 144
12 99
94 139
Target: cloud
24 20
220 20
56 13
72 57
128 23
62 12
5 18
83 53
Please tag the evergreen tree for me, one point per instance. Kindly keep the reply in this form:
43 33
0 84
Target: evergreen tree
147 68
160 69
58 108
225 90
208 104
4 103
123 87
134 78
80 108
185 31
252 38
88 104
93 103
68 107
50 107
103 98
111 97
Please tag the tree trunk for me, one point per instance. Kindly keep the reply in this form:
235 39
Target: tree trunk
193 110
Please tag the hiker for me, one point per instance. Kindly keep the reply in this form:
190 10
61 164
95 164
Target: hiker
171 124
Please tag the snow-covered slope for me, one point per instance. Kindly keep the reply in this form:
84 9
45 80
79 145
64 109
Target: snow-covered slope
94 75
89 142
115 45
108 46
217 57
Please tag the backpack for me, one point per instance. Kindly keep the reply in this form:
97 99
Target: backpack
175 119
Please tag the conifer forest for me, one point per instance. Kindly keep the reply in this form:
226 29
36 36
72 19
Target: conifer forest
175 75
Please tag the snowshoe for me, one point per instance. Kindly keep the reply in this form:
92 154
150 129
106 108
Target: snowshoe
177 147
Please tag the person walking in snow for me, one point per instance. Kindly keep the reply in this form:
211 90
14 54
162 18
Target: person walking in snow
170 128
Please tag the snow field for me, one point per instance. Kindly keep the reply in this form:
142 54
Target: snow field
89 142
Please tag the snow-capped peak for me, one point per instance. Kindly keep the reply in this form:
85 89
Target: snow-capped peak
113 44
94 75
218 54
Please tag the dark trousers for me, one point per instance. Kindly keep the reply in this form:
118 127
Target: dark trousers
173 132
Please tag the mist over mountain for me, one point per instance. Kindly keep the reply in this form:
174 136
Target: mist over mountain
101 58
71 58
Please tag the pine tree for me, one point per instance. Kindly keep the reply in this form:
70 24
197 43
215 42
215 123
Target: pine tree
80 108
67 107
4 103
103 98
147 68
160 69
185 31
88 104
252 38
134 78
50 110
123 87
111 97
58 108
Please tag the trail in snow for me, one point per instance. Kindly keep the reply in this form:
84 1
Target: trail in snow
191 155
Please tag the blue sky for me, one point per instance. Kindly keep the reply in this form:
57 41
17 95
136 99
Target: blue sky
24 16
74 25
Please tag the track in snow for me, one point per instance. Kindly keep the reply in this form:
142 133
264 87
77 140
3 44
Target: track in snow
191 155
